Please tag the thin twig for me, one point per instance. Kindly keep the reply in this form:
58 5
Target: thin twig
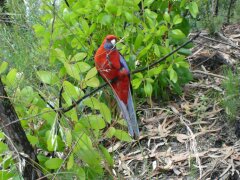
205 45
60 98
208 38
209 74
51 106
193 145
66 2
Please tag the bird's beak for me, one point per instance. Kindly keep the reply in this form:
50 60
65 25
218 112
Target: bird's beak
113 42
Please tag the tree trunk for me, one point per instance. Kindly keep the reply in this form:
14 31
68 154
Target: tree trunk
4 16
215 7
16 138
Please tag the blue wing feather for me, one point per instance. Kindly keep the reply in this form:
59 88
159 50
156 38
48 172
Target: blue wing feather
132 114
128 110
124 63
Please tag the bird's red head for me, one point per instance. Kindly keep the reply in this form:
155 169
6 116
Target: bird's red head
111 37
110 42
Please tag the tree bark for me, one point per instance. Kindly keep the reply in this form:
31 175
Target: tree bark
16 137
214 7
4 16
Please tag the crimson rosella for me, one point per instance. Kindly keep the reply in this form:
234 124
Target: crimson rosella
113 68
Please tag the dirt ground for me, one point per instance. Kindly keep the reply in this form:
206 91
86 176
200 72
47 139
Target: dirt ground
190 137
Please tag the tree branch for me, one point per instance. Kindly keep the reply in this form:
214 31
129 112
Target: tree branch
166 56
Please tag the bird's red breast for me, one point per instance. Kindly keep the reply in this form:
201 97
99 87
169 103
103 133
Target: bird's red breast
108 65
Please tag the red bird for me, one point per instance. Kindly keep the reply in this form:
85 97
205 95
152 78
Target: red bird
113 67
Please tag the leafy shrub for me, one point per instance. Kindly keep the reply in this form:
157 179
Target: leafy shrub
231 101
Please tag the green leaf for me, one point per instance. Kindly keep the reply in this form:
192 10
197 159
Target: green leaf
185 51
71 90
148 88
42 158
166 17
93 82
122 122
47 77
49 115
84 143
78 57
150 14
73 115
92 158
162 30
93 121
70 162
106 155
3 147
122 135
92 103
33 139
53 163
129 16
110 132
183 64
172 74
7 161
60 55
150 80
26 95
193 8
136 83
105 112
156 50
3 67
177 19
39 29
183 2
68 137
111 8
80 173
2 136
11 77
156 70
74 70
104 19
52 142
177 34
139 75
138 41
5 175
91 73
147 2
145 50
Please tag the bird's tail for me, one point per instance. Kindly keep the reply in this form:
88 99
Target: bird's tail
129 115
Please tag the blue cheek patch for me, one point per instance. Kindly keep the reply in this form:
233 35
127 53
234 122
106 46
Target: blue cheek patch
108 46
